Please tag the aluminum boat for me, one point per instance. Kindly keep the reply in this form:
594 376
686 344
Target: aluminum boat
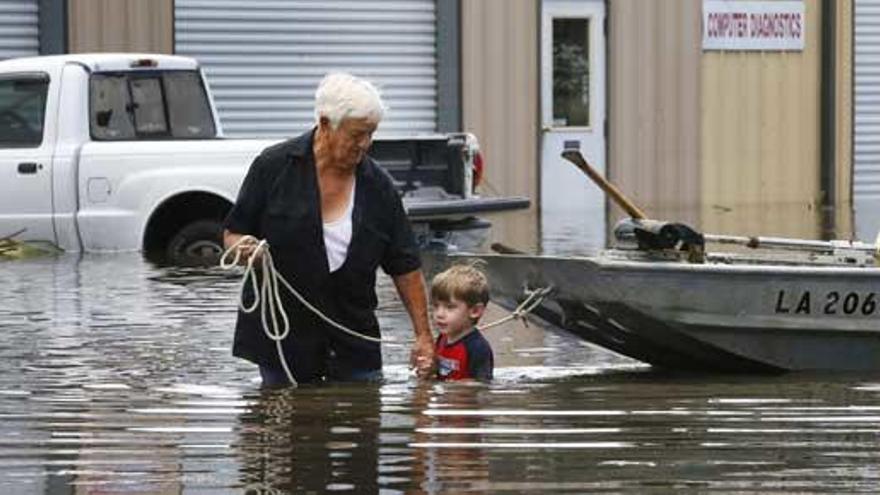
781 304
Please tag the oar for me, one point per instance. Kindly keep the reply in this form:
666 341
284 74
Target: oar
575 156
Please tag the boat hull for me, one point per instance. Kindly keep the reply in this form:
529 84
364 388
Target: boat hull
712 316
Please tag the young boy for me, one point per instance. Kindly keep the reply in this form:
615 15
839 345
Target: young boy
459 296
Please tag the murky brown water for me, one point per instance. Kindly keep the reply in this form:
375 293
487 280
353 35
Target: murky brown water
116 377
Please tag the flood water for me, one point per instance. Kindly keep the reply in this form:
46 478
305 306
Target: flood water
116 377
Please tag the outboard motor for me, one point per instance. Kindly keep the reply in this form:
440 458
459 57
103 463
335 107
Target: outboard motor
656 235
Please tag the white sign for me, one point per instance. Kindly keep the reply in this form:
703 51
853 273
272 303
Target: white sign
753 25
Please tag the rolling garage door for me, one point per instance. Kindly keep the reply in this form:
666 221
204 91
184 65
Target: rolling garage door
866 139
264 58
19 28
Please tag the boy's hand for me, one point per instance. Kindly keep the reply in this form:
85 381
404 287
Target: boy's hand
422 356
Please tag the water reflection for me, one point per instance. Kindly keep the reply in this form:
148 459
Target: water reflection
116 376
314 439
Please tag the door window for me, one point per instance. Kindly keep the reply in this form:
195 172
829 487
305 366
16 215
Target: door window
571 72
22 111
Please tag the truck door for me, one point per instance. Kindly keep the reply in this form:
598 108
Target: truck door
573 115
25 158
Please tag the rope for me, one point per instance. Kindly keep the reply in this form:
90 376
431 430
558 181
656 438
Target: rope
533 300
269 294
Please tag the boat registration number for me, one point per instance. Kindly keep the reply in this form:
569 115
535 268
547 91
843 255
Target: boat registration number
831 303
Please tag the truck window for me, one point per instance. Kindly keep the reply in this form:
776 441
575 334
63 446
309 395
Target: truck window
22 109
190 113
148 108
149 105
110 102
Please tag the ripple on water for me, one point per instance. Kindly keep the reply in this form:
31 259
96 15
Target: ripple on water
116 376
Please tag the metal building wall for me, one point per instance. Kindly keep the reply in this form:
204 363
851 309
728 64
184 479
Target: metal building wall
19 28
500 95
761 138
120 26
654 106
264 58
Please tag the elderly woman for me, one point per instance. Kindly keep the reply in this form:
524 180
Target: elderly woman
331 217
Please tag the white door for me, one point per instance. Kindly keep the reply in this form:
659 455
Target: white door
25 159
573 115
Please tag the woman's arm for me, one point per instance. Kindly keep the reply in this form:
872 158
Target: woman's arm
411 288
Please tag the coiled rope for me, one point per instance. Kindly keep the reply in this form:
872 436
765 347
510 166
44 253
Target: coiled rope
267 297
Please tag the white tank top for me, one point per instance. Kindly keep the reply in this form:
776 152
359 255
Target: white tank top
337 235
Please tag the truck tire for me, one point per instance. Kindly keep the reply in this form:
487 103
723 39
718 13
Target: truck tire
199 243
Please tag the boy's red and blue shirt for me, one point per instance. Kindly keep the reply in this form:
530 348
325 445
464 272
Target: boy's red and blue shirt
467 358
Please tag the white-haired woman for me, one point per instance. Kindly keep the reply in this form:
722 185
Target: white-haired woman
331 217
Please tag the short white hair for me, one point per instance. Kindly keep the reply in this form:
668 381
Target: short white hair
341 95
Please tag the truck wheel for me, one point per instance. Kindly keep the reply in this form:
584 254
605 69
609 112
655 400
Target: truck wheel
199 243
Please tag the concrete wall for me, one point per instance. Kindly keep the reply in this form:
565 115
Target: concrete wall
121 25
654 106
500 98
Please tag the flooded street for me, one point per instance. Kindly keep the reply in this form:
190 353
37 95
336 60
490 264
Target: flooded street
116 377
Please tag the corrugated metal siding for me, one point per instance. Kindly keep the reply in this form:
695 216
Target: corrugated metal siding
500 95
19 28
760 138
264 58
866 145
654 106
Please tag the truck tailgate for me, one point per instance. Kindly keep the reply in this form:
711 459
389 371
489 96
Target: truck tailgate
425 208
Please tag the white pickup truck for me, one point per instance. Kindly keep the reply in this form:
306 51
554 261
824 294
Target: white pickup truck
124 152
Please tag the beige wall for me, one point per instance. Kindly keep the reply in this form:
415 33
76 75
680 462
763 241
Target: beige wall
121 25
654 118
500 96
729 141
761 139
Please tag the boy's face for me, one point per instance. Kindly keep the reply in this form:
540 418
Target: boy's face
455 317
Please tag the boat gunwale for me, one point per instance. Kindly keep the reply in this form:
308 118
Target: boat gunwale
603 263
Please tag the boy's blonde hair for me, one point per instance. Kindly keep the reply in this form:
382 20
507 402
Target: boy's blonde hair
463 282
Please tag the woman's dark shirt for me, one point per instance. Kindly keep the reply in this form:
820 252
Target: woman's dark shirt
279 201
